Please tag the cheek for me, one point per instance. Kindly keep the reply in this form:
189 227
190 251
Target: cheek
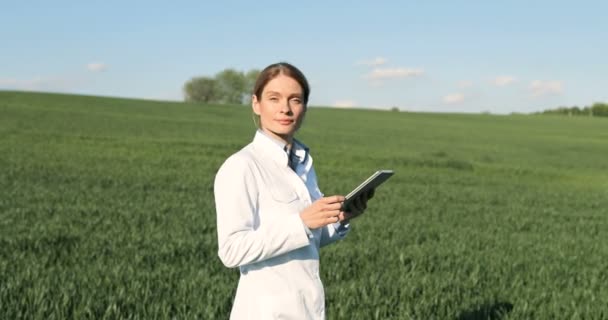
264 109
300 114
266 114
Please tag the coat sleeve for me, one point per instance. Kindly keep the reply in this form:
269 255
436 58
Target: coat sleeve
236 203
333 232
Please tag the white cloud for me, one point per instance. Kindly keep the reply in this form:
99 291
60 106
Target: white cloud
453 98
96 67
49 83
464 84
344 104
541 88
8 83
37 83
393 73
503 81
378 61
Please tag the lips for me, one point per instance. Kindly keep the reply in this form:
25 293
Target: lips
285 121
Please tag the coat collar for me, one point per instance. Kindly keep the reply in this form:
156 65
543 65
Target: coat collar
277 149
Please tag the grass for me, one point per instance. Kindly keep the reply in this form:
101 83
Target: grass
106 211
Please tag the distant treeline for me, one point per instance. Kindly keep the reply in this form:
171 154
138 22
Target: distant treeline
599 109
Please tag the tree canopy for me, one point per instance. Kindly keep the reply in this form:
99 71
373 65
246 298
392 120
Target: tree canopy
228 86
598 109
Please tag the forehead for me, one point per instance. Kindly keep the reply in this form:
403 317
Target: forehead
284 85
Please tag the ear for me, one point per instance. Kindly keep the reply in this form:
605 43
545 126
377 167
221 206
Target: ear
255 104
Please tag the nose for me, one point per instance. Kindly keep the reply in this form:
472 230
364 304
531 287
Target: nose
286 108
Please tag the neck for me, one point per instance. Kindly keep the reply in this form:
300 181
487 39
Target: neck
284 138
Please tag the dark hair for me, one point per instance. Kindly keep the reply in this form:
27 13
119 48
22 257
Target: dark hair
284 68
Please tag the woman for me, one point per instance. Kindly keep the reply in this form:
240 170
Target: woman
271 216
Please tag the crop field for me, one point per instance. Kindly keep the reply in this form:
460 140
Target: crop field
107 212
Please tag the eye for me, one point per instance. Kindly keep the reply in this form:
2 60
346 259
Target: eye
273 99
296 100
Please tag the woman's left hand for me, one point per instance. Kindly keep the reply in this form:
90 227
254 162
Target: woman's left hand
357 208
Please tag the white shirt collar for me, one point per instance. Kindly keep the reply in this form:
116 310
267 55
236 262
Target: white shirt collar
276 149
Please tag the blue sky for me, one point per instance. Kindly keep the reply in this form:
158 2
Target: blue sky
439 56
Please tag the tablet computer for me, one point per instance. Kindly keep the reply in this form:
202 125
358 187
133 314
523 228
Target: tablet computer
372 182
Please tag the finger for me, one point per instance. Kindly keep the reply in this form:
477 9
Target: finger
331 213
370 193
332 219
363 205
355 205
347 216
334 199
360 204
333 206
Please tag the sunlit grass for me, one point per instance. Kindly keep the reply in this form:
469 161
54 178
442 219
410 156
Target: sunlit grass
106 211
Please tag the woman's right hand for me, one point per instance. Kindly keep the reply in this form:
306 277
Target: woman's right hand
322 212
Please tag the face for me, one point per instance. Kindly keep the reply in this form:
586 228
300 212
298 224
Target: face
280 107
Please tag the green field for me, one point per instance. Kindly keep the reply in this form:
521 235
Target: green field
106 211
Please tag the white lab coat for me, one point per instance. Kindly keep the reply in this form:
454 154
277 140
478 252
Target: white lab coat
258 199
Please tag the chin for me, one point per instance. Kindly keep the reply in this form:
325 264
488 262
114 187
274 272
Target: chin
283 131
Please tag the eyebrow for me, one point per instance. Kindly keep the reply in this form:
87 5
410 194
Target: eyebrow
299 95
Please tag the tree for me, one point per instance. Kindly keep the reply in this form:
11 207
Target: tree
600 109
229 86
250 77
201 89
232 86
